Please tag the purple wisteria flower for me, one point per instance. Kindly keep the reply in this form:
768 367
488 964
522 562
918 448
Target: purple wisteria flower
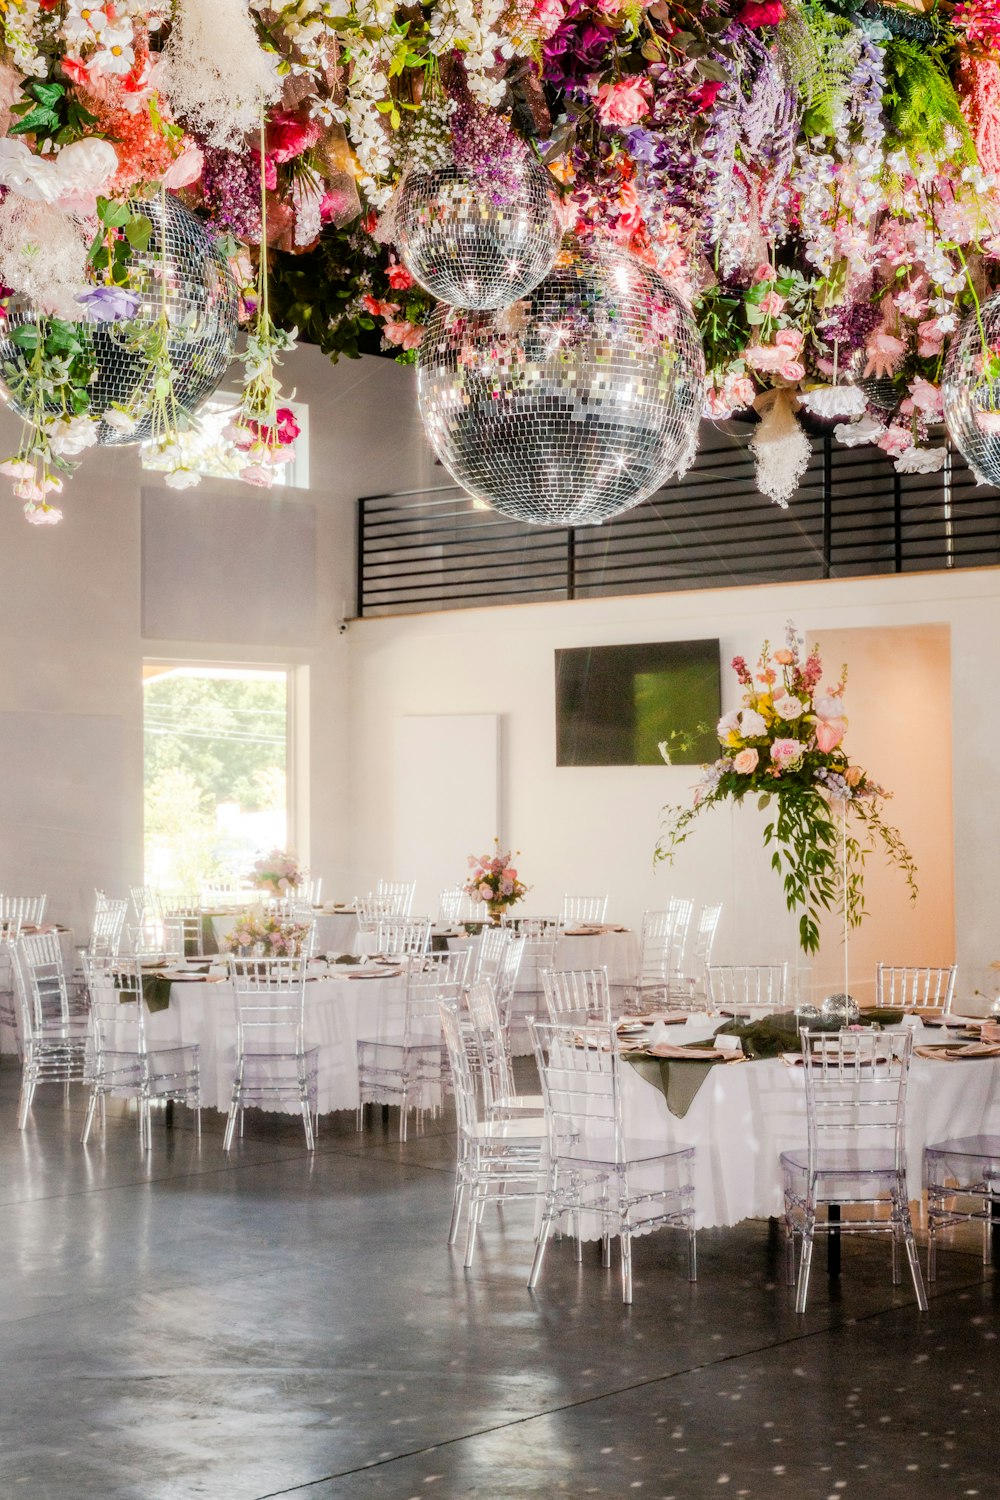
109 304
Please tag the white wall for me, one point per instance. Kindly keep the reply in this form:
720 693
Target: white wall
70 626
593 830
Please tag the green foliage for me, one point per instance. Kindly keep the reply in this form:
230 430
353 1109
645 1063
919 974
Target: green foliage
812 45
920 101
49 112
228 736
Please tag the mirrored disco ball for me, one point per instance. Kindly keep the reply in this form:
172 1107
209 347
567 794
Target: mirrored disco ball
971 390
882 393
576 403
182 270
474 246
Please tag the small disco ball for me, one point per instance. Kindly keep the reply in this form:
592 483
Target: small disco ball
971 391
575 404
467 246
183 271
882 393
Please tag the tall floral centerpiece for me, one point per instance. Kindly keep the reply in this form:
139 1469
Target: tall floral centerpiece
278 873
494 881
784 746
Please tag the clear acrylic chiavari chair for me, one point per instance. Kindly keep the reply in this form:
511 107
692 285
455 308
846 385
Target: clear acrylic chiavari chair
740 987
120 1063
495 1156
904 987
493 1059
855 1155
10 932
408 937
274 1066
594 1173
491 949
28 910
53 1037
106 928
401 1058
583 909
399 894
581 993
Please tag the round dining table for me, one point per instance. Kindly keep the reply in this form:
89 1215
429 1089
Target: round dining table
746 1113
341 1005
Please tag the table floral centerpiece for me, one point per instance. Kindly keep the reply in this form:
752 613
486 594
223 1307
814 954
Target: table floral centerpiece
785 747
259 935
494 881
278 872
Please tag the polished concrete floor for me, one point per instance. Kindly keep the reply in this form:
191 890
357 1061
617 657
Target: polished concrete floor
187 1325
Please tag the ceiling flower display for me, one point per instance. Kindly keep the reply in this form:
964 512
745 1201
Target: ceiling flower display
816 182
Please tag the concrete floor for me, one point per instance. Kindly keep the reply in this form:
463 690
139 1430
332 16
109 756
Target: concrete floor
187 1326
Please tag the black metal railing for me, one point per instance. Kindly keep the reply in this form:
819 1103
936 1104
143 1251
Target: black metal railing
852 515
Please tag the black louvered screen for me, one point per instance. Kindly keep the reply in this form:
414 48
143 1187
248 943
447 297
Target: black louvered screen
852 515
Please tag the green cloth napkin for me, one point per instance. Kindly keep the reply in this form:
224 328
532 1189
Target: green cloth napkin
347 958
677 1081
155 992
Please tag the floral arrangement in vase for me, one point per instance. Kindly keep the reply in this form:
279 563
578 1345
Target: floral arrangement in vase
784 746
494 881
277 872
266 936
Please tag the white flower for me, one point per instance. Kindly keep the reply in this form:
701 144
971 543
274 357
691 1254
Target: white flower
728 723
181 479
70 180
70 436
915 460
853 434
119 420
116 55
787 707
829 707
84 23
834 400
752 724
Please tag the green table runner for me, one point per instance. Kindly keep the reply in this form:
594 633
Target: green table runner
679 1082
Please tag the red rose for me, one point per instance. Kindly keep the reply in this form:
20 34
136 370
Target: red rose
399 277
754 15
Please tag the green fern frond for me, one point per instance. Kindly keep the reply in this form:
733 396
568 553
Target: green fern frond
921 103
811 40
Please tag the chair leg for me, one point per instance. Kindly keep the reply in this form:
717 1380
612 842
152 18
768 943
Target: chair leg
28 1081
234 1110
805 1262
543 1236
692 1253
626 1244
931 1243
906 1228
307 1123
456 1207
605 1249
476 1206
91 1111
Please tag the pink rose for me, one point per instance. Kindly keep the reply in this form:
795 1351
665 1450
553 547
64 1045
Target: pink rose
624 103
763 272
794 370
258 474
765 357
185 169
485 892
786 753
772 304
746 762
406 335
829 733
788 338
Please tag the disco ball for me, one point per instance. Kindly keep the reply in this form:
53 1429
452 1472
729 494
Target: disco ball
882 393
202 307
971 391
469 249
575 404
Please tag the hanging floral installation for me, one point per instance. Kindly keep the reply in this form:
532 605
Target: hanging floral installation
784 749
817 181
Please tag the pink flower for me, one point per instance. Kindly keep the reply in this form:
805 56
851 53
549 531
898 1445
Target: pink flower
789 338
926 397
988 422
399 277
705 95
548 16
485 892
286 427
770 13
772 304
829 733
405 335
261 475
746 762
624 103
763 272
895 440
288 137
884 353
830 706
794 370
786 753
766 357
185 169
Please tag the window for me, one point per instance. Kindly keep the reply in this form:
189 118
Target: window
207 452
216 751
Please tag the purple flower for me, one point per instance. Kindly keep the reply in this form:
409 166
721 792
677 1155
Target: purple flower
109 304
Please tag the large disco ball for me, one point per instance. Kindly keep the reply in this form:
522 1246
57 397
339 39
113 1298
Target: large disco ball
971 390
474 245
575 404
182 271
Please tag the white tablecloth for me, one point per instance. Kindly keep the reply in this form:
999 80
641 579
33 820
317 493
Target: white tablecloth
745 1114
338 1010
